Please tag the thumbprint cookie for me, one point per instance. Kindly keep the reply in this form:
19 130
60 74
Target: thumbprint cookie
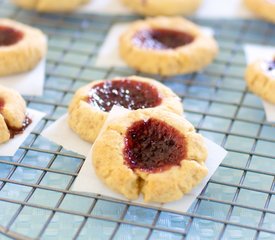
92 103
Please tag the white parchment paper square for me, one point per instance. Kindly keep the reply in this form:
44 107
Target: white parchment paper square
9 148
60 133
256 52
109 56
105 7
229 9
30 83
88 182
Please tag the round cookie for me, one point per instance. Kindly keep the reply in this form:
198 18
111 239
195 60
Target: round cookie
263 8
21 47
260 78
152 152
50 5
13 118
90 105
163 7
167 46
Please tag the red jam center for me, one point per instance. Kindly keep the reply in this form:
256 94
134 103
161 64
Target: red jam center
16 131
161 39
126 93
153 146
2 104
9 36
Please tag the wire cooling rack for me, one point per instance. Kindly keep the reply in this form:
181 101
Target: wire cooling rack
237 203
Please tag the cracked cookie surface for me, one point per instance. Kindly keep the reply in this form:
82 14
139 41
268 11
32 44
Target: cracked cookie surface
152 152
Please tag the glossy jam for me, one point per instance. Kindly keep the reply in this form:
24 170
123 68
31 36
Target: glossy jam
161 39
153 146
2 103
16 131
126 93
9 36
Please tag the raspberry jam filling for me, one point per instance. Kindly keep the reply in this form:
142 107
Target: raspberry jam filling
9 36
129 94
15 131
161 39
153 146
2 104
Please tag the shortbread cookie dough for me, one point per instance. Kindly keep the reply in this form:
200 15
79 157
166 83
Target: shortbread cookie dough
152 152
260 78
50 5
91 104
167 46
21 47
163 7
263 8
13 119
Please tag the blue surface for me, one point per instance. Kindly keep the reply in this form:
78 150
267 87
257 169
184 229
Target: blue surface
215 101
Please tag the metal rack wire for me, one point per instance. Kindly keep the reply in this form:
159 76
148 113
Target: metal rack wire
237 203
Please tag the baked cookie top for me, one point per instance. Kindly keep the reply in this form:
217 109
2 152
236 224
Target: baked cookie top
91 104
260 78
50 5
13 118
163 7
166 46
21 47
263 8
152 152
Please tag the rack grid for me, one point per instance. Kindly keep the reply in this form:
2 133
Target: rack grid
237 203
